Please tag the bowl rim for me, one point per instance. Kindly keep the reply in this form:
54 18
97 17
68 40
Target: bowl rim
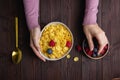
57 22
96 58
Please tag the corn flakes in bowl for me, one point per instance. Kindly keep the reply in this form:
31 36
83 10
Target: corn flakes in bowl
56 41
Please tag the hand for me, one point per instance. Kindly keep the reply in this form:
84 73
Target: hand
96 32
34 41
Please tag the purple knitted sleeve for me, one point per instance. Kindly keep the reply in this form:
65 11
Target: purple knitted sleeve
31 13
91 12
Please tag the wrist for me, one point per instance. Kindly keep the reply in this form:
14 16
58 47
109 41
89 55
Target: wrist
32 30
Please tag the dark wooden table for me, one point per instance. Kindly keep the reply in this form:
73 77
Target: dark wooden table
71 13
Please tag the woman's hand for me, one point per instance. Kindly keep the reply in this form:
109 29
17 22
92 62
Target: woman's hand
96 32
34 41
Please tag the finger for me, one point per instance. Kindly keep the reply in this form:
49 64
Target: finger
36 43
90 42
102 42
100 49
36 51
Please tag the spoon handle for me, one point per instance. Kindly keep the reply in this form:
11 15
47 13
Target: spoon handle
16 31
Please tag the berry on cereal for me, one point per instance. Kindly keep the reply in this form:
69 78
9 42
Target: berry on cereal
49 51
52 43
68 44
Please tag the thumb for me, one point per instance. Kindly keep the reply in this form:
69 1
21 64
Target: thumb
90 42
100 48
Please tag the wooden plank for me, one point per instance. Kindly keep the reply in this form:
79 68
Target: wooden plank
71 13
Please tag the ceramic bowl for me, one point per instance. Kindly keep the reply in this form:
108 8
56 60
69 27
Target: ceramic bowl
51 34
92 54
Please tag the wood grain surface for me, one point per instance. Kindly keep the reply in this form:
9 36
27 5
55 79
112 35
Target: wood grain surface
70 12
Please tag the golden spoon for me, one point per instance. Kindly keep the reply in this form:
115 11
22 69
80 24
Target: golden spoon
17 53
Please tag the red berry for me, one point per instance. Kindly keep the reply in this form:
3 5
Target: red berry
89 53
68 44
106 47
103 52
78 47
87 50
52 43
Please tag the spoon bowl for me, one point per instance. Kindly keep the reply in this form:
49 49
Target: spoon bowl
16 56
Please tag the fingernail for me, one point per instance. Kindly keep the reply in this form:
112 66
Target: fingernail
44 60
91 49
98 54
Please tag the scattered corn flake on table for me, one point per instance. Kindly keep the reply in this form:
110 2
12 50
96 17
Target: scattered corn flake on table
75 59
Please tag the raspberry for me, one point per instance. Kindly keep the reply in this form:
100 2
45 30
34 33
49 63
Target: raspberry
103 52
78 47
87 50
106 47
68 44
89 53
52 43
